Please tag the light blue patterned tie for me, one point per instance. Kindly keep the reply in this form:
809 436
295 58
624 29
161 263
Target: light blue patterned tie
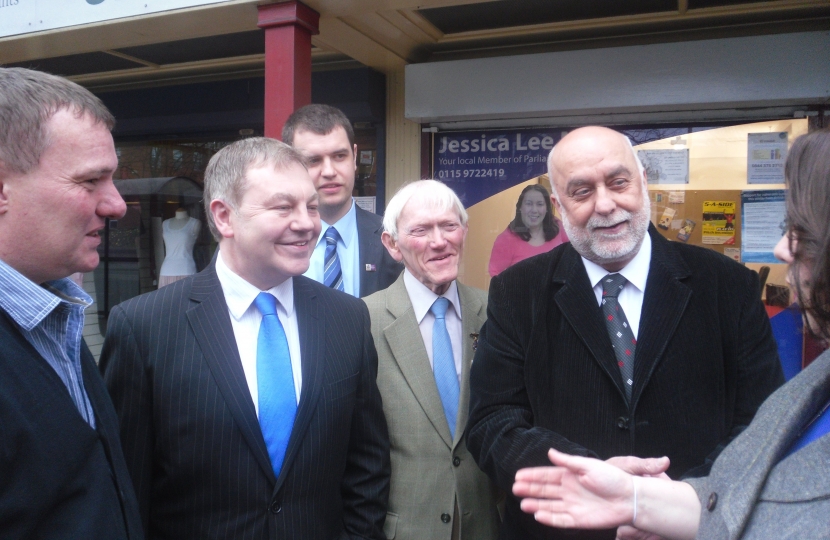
443 363
275 382
332 274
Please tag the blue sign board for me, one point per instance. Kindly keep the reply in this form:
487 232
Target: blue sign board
480 164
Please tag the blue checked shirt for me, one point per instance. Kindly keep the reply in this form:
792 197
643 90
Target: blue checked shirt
51 318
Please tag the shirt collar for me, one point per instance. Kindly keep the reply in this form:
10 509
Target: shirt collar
29 303
346 227
422 298
239 294
636 271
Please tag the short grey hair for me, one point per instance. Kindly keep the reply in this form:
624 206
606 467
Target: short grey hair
639 163
225 175
436 195
28 100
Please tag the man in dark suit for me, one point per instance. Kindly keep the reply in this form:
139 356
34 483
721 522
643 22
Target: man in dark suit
62 473
619 343
247 393
349 255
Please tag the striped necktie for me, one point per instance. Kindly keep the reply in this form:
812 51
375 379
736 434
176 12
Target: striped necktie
332 274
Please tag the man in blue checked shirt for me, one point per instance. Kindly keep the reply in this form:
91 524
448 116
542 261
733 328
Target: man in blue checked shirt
62 472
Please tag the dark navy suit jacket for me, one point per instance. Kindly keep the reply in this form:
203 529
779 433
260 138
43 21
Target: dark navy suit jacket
383 269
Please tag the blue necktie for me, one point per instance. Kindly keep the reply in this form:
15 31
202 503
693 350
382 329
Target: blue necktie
275 382
332 275
443 363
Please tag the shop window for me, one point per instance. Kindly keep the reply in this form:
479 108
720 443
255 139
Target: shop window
160 182
720 165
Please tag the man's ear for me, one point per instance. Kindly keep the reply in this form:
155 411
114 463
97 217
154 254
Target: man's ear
556 204
221 212
354 151
4 189
391 246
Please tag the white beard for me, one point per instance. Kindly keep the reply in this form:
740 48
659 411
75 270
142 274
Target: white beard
608 249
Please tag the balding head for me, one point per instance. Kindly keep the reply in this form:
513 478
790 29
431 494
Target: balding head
597 139
600 190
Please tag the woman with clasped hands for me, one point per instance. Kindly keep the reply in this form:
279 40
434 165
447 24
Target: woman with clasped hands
772 481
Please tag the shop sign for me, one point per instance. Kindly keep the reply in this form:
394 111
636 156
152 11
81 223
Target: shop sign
24 16
479 164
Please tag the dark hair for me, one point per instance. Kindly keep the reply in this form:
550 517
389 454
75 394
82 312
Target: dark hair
319 119
808 222
549 225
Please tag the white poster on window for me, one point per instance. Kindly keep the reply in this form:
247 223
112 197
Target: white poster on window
665 166
24 16
366 203
766 154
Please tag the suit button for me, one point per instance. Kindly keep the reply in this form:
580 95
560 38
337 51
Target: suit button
713 501
445 518
456 461
275 507
622 422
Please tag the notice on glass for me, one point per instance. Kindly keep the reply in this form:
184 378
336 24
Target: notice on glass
766 154
762 224
366 203
665 166
718 225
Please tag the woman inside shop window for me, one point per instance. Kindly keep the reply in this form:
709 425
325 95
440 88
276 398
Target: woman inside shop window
534 230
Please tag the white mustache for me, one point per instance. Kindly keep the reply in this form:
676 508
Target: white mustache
600 222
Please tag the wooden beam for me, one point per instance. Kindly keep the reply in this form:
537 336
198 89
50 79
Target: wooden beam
338 36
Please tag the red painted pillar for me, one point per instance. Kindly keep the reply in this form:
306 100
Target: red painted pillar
288 29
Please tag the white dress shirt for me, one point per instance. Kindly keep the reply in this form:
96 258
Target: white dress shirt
246 318
422 299
636 272
348 251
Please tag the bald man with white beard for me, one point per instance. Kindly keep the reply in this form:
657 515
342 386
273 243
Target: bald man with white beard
618 343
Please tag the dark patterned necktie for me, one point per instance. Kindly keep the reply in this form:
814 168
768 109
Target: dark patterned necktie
622 338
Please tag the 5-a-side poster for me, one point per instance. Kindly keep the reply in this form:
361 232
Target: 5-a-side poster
718 224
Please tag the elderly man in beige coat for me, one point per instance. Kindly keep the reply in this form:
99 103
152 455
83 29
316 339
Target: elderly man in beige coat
425 327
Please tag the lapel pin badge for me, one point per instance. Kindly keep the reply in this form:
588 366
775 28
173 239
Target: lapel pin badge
474 335
371 268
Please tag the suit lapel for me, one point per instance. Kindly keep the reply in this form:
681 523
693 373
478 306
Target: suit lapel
473 315
408 350
311 323
369 249
578 304
210 322
665 300
756 454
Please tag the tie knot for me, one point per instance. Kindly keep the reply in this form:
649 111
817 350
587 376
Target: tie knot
612 284
439 307
332 236
266 303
